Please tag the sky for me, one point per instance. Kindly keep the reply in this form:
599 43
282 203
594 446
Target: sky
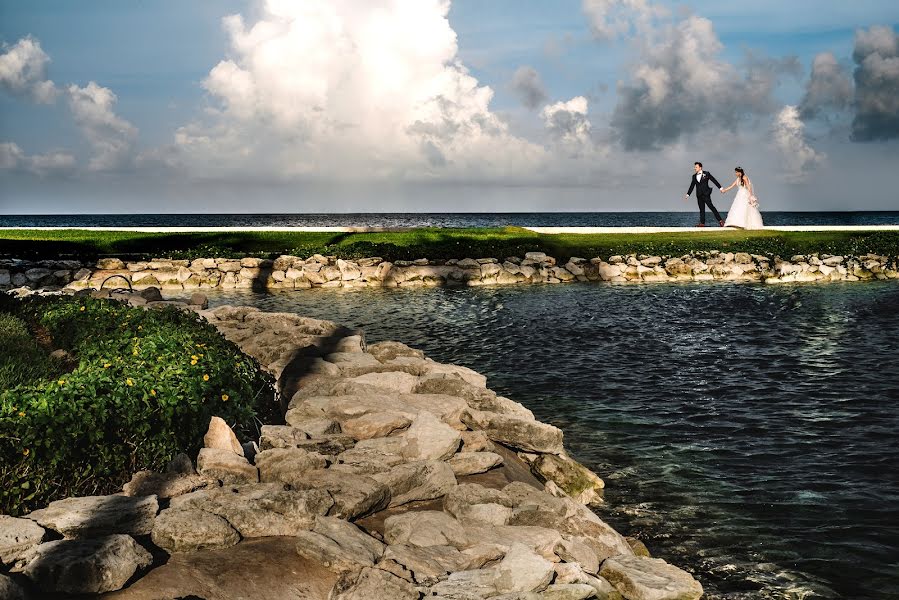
436 106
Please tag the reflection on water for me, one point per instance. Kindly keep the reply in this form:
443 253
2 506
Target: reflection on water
746 432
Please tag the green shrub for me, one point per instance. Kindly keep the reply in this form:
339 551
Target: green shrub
144 388
21 357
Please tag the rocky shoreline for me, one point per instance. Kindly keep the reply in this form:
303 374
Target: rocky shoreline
293 272
392 477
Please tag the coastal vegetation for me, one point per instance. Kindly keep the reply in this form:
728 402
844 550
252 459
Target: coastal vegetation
434 243
93 390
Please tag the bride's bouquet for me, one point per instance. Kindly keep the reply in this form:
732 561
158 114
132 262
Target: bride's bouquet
753 201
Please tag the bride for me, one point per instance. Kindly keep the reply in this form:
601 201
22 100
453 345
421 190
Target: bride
744 212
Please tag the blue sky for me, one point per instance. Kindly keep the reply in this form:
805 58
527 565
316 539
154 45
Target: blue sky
158 59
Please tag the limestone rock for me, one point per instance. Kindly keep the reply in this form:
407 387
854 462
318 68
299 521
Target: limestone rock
287 465
353 496
574 549
375 425
385 351
541 540
579 482
373 584
425 528
17 538
571 573
472 504
191 530
376 455
423 565
339 545
92 516
517 432
92 566
430 439
476 441
470 463
226 466
467 585
10 589
396 381
568 591
259 510
165 485
641 578
522 570
420 480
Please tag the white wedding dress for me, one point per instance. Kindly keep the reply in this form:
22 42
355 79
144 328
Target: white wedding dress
744 212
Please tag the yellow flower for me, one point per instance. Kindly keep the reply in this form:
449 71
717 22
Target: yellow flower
129 382
61 382
193 362
26 451
21 414
193 357
152 392
81 309
107 365
139 327
205 377
225 397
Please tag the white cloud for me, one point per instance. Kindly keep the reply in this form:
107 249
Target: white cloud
610 19
13 158
799 158
568 122
23 71
110 136
344 89
681 87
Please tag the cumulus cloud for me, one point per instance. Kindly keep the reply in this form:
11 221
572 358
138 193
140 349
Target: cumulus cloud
345 89
798 157
23 71
110 136
567 122
527 85
610 19
680 87
829 87
876 75
13 158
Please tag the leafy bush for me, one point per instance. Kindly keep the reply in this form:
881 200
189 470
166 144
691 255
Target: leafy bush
144 388
21 357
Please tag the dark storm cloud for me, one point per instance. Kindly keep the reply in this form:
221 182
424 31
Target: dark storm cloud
876 85
829 88
528 87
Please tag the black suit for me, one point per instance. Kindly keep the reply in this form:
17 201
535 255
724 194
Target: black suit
704 194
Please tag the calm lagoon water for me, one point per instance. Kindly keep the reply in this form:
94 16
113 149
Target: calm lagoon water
746 432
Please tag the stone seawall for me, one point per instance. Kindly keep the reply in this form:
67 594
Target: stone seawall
293 272
393 477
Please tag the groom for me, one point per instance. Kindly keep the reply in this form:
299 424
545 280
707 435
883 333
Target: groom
704 193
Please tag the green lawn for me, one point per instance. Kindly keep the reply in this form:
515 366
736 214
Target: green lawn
435 243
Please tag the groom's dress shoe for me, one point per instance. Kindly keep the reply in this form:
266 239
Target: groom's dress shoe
700 224
721 222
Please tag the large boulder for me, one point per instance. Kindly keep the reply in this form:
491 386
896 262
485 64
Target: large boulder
17 538
425 528
189 530
287 465
259 510
93 516
541 540
91 566
576 480
166 485
420 480
9 588
226 466
375 425
339 545
376 455
396 381
386 351
428 438
222 437
372 584
642 578
472 504
471 463
423 565
522 570
518 432
354 496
